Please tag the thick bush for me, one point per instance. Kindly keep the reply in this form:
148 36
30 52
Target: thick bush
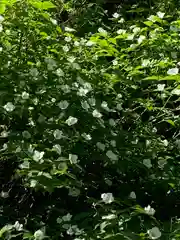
89 125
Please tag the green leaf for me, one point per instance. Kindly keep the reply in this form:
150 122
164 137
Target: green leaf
43 5
162 78
170 122
148 23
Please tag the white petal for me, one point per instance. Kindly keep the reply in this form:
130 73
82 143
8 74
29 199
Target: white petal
173 71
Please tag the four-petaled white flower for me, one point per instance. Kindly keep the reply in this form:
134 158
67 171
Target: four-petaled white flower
154 233
176 91
160 87
85 105
111 155
160 14
38 155
9 107
141 39
71 121
73 158
39 235
18 226
121 31
25 95
97 114
101 146
132 195
67 217
57 148
65 48
86 136
67 39
149 210
60 72
173 71
107 197
116 15
58 134
101 30
67 29
147 163
63 104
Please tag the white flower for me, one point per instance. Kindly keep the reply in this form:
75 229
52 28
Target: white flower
147 163
149 210
130 37
107 197
115 62
121 20
67 218
90 43
165 142
39 235
65 88
109 217
25 164
67 29
73 158
111 155
54 21
1 18
86 136
112 122
34 72
176 91
132 195
85 105
25 95
33 183
18 226
82 92
173 71
136 30
76 44
4 194
58 134
116 15
160 14
67 39
121 31
96 114
57 147
71 121
65 48
38 155
113 143
101 146
63 104
26 134
60 72
154 233
101 30
74 192
141 39
174 54
160 87
9 107
92 101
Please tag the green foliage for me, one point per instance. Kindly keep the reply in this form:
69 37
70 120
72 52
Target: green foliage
89 125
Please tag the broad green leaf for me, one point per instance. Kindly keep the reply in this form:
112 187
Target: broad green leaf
42 5
170 122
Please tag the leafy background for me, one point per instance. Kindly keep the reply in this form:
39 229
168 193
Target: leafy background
89 120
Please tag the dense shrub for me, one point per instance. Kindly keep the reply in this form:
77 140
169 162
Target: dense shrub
89 126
